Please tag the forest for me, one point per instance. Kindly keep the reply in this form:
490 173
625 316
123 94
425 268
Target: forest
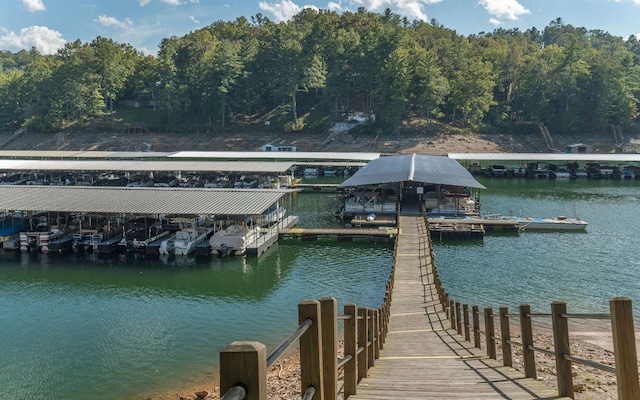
310 71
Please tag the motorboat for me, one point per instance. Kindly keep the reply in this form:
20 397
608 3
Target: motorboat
187 238
234 240
559 223
562 174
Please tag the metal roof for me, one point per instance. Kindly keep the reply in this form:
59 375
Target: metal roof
278 155
119 200
415 168
80 154
144 166
568 157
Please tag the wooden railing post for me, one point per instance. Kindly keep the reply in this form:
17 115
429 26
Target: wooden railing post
371 333
562 348
452 312
363 358
350 349
624 348
528 355
465 315
310 348
376 333
246 363
489 329
505 335
476 326
458 318
329 313
381 325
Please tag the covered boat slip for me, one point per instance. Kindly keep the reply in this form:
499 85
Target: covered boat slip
216 204
147 173
411 181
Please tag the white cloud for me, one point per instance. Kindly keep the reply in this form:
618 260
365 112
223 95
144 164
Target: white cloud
171 2
144 2
112 21
494 21
46 40
504 9
33 5
412 9
281 11
334 7
193 19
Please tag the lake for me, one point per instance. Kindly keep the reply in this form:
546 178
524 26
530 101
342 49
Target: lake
77 326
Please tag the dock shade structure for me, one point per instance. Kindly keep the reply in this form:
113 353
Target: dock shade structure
126 200
439 184
416 168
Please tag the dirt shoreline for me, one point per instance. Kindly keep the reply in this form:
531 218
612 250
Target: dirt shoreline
590 341
433 144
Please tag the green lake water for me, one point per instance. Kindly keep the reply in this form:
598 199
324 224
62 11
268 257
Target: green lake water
78 327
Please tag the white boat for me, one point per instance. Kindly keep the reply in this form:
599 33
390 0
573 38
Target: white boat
185 240
559 223
310 172
234 239
451 204
562 174
167 247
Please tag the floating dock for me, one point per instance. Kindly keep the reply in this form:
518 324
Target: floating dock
347 234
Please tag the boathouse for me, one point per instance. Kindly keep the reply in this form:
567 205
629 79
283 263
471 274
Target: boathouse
409 181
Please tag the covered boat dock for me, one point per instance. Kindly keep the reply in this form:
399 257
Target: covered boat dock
115 204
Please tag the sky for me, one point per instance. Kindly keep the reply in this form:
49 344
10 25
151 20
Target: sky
49 24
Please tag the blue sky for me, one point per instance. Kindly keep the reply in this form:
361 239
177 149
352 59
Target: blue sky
49 24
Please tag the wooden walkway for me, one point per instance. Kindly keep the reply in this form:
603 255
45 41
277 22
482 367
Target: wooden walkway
422 357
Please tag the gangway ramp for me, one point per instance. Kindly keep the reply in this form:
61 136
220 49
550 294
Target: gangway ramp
422 357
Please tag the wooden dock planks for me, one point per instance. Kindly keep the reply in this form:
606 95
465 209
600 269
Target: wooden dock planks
422 357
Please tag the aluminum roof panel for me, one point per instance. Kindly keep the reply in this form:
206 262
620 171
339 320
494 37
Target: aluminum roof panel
568 157
116 200
148 166
415 168
278 155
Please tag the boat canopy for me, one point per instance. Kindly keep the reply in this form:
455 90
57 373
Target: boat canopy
413 168
118 200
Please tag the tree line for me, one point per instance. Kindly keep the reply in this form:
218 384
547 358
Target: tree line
311 70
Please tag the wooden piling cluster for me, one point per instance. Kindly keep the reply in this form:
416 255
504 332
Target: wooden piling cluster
622 327
244 365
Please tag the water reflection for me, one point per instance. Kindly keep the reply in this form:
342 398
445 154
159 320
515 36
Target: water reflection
240 278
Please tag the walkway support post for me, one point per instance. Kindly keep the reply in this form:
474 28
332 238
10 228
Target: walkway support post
362 343
528 355
452 312
311 372
476 326
329 317
350 349
465 315
246 363
489 329
624 348
562 348
505 335
458 318
371 338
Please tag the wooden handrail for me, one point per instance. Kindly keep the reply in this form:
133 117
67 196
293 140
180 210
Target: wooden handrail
622 325
244 365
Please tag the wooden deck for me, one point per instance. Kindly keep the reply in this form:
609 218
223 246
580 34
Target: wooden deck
422 357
